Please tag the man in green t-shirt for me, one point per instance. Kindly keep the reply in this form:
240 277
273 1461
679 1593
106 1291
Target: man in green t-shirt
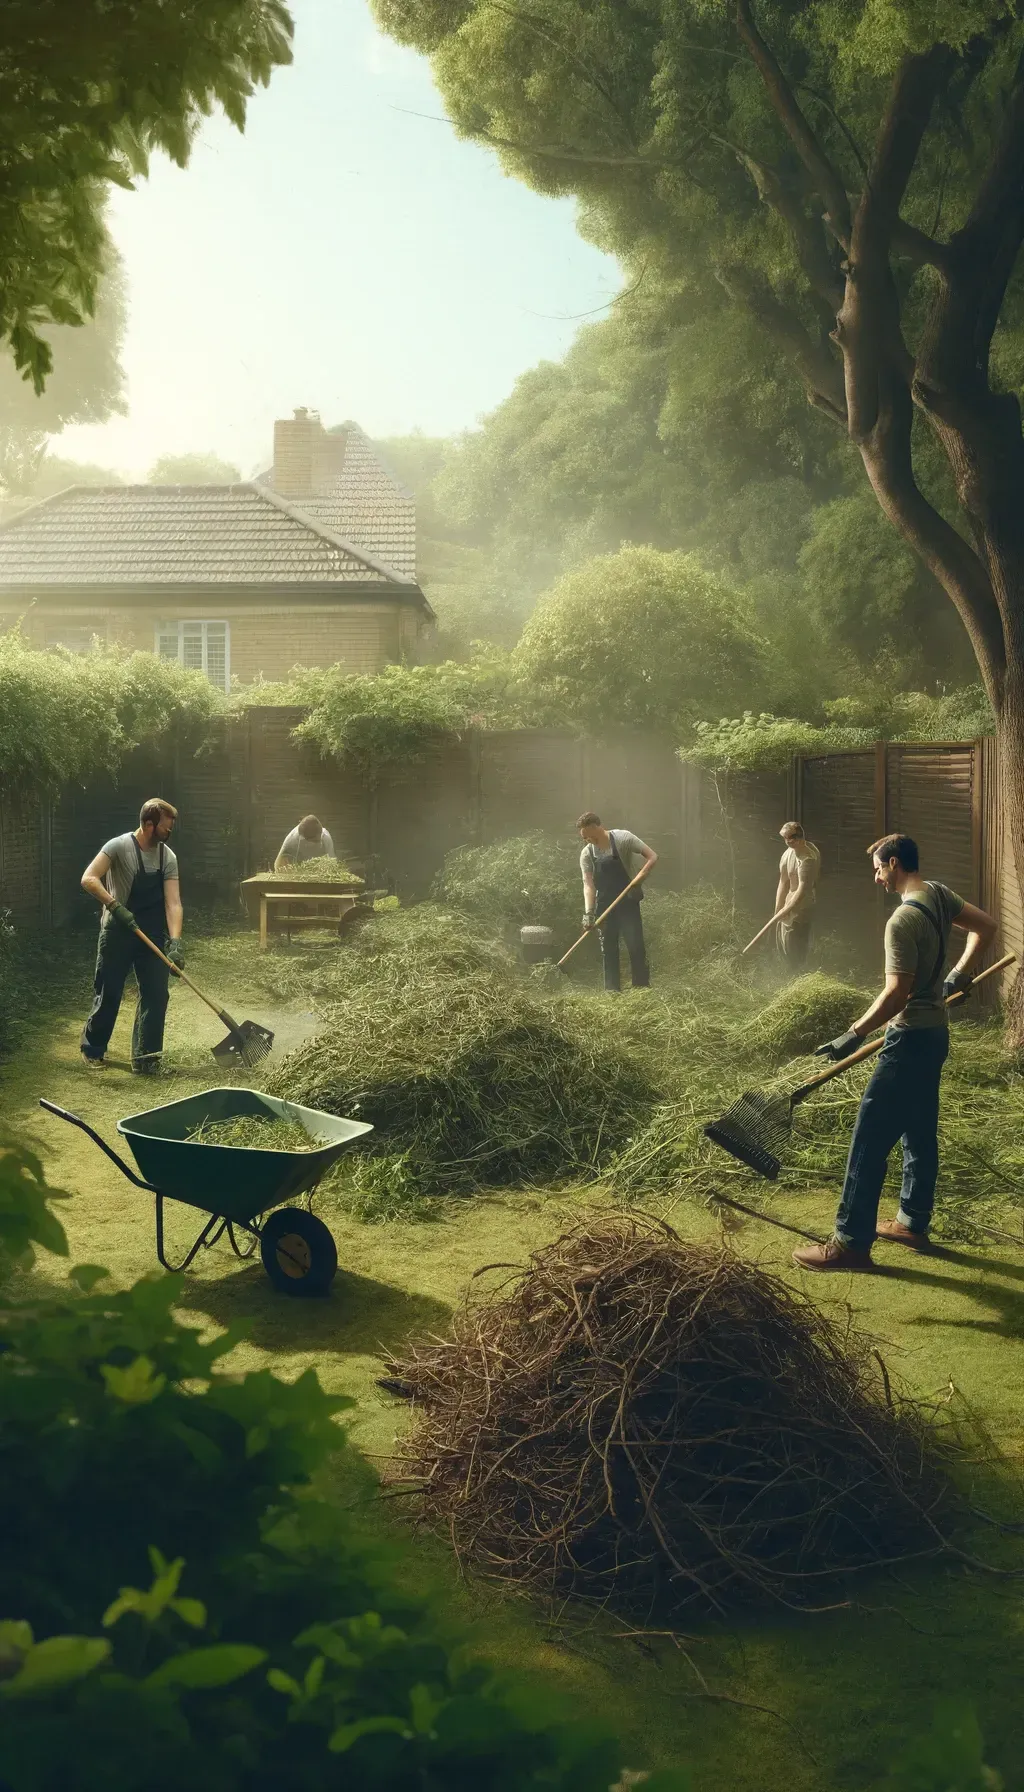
901 1100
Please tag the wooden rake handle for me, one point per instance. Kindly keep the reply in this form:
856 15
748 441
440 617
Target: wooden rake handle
178 972
619 898
760 936
868 1051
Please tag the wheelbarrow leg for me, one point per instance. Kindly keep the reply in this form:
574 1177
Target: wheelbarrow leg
213 1229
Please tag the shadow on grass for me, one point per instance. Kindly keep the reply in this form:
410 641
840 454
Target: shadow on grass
360 1316
1005 1305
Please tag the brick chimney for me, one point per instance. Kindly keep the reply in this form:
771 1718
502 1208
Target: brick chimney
306 457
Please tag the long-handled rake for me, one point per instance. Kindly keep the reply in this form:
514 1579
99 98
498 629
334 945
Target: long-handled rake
757 1126
246 1042
621 897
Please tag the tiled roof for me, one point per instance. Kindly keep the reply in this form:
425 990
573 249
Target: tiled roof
180 534
358 498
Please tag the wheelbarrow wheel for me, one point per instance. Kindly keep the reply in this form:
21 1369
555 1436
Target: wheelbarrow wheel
299 1254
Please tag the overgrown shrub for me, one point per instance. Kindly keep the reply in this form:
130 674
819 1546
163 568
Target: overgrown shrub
65 717
178 1610
530 879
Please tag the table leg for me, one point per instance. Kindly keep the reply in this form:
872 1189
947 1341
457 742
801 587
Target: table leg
263 920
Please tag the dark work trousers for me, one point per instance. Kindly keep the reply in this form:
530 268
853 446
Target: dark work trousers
901 1101
625 923
120 952
794 941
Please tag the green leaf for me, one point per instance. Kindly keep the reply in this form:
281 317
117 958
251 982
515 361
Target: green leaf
55 1662
87 1275
202 1668
137 1385
282 1682
347 1734
190 1611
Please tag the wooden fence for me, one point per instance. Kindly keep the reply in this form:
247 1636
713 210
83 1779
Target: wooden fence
239 797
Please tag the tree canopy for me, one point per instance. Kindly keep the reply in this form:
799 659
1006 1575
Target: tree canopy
849 178
193 469
88 90
641 639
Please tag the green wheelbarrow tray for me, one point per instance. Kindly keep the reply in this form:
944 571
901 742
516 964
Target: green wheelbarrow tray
234 1184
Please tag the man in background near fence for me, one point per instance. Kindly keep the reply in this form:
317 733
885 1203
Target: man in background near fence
901 1100
135 880
799 869
610 860
308 841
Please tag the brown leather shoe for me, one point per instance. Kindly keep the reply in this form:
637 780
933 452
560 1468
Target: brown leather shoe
831 1255
897 1234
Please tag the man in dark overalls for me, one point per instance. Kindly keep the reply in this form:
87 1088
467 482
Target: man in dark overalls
135 879
610 860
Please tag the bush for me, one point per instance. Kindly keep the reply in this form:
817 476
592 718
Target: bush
531 879
64 717
179 1610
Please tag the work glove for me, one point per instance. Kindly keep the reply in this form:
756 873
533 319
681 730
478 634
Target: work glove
835 1049
123 916
176 953
957 983
588 921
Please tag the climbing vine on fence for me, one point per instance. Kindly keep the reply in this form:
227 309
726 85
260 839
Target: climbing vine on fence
67 717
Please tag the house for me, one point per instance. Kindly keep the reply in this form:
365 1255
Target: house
310 564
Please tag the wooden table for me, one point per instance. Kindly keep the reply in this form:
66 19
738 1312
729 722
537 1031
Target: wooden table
278 884
297 913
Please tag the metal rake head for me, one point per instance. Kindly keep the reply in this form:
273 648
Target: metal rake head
754 1130
247 1044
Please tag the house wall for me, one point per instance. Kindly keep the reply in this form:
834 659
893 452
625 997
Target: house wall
264 642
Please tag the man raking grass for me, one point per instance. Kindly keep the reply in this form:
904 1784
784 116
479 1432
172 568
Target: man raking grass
613 860
134 878
901 1100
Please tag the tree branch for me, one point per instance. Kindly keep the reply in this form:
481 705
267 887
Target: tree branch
868 327
819 371
808 237
887 457
828 183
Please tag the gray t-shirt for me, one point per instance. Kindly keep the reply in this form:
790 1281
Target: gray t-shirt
631 850
297 848
917 944
124 864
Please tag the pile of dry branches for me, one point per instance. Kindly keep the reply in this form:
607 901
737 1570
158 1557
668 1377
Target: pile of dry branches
662 1425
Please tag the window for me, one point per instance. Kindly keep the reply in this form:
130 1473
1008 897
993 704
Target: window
203 646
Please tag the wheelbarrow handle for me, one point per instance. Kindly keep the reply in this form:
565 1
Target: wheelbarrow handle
83 1125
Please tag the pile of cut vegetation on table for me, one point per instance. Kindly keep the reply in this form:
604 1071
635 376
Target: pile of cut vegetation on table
663 1426
321 870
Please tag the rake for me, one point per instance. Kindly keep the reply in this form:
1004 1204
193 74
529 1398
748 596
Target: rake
246 1042
757 1126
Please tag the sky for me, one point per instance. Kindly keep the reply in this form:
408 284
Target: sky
344 254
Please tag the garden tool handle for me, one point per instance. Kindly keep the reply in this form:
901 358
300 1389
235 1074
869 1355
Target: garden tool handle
602 917
760 936
178 972
83 1125
867 1051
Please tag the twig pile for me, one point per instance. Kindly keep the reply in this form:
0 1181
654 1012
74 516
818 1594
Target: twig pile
662 1425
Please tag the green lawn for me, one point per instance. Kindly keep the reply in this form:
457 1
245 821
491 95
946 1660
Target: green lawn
838 1693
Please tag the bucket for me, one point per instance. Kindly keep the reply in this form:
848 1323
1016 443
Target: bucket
536 944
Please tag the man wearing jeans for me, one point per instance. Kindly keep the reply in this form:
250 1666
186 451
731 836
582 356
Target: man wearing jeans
901 1100
134 878
610 860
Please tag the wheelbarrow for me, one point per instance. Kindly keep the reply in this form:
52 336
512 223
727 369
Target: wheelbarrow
236 1185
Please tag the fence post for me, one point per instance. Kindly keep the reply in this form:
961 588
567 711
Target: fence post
881 788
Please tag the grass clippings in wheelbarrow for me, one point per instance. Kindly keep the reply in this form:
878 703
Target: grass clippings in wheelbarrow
470 1082
255 1132
662 1426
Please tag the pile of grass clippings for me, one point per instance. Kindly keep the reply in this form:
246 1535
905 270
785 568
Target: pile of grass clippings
805 1013
472 1081
686 930
255 1132
662 1426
